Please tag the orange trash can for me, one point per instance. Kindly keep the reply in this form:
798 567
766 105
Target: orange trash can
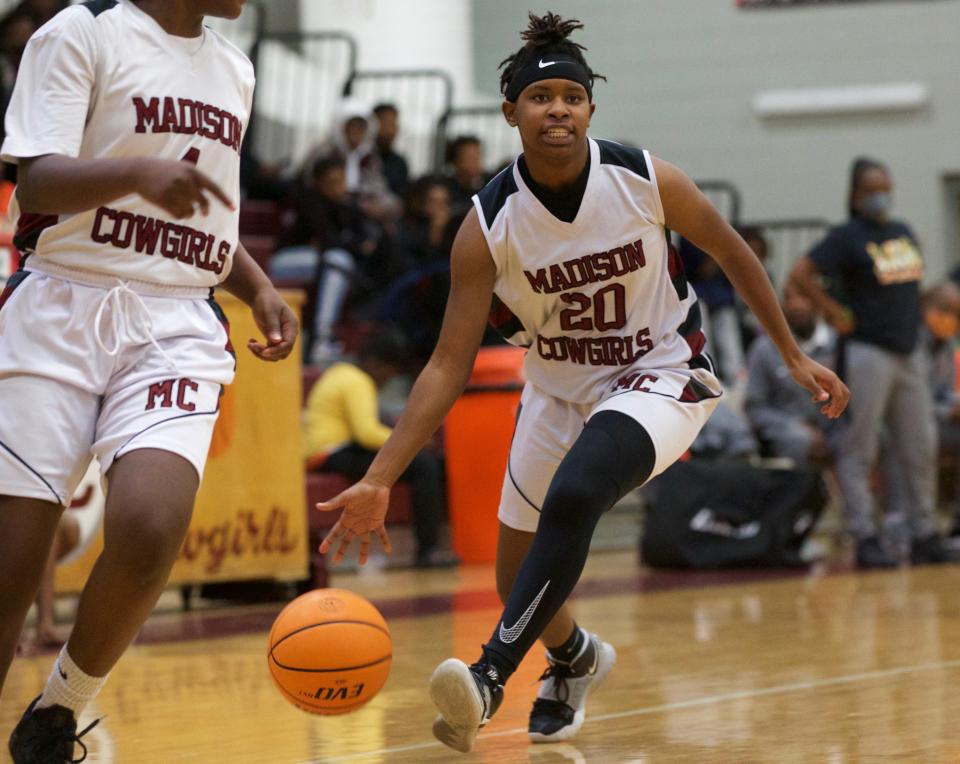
477 435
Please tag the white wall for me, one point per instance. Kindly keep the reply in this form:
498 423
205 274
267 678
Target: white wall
402 34
405 34
683 75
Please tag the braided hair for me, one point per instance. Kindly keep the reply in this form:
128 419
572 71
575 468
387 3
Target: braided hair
545 34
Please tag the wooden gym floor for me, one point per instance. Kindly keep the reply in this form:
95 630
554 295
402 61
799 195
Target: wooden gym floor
753 666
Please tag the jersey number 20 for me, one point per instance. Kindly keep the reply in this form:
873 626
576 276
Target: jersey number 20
605 316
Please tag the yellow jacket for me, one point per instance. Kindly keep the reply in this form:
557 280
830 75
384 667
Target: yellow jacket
342 408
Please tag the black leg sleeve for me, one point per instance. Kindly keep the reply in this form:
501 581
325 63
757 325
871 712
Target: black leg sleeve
613 455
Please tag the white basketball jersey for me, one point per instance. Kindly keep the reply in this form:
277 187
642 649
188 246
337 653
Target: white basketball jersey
602 299
104 80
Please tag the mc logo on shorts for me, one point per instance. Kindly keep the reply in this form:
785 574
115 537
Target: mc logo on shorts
161 393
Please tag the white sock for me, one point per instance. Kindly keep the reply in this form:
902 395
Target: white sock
69 686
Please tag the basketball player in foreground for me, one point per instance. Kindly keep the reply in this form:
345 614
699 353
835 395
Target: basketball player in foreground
126 122
571 239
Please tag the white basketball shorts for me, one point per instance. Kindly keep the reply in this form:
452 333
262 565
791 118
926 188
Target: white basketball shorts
671 405
102 368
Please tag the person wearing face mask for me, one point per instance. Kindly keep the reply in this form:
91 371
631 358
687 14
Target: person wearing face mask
874 268
785 421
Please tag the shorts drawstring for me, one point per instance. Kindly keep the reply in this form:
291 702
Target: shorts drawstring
128 316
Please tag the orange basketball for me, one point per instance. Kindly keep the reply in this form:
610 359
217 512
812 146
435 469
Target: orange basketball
329 651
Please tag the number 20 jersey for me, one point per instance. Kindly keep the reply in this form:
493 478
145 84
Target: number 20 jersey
603 299
103 80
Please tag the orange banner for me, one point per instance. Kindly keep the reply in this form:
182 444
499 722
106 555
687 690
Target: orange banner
250 518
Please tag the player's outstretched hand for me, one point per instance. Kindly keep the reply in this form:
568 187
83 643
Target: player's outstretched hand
277 322
824 384
364 507
178 187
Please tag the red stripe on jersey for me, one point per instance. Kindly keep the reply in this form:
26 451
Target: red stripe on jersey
5 294
224 322
12 283
696 341
500 314
503 319
695 391
674 263
29 227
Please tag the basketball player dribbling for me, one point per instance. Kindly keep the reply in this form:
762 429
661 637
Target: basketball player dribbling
571 241
125 122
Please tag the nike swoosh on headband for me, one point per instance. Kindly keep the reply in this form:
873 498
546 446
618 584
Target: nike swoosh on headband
508 635
545 65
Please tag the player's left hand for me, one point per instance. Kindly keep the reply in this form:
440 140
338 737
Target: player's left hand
824 384
278 324
364 507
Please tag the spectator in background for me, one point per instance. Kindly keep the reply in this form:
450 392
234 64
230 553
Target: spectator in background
428 225
941 319
749 325
787 423
344 433
725 436
874 266
394 167
41 11
466 175
258 179
16 27
416 300
757 242
327 245
353 145
718 305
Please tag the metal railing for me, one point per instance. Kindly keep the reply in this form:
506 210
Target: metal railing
787 241
422 97
300 76
724 196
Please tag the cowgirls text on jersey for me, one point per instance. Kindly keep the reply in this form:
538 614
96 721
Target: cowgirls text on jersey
603 311
152 236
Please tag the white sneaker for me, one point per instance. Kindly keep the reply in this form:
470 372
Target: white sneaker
560 707
466 696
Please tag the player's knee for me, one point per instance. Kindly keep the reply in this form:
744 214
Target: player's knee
573 502
145 564
148 545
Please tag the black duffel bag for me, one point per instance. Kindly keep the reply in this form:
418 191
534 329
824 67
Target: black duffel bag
704 514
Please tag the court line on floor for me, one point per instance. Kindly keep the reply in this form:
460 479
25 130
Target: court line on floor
681 705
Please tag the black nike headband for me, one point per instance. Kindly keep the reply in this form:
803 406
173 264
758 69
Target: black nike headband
549 66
